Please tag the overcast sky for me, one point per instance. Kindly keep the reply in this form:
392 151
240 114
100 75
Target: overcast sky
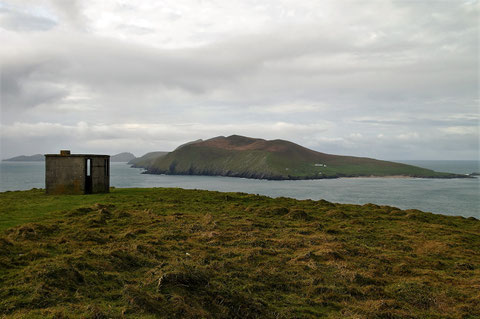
383 79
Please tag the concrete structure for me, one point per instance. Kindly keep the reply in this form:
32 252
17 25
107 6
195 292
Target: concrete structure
67 173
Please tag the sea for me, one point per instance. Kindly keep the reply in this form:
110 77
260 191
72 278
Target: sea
459 196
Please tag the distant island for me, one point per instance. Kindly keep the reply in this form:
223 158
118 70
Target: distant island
239 156
25 158
120 157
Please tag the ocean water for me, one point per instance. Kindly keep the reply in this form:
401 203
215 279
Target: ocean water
443 196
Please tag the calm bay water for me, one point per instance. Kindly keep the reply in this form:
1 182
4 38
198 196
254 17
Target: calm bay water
443 196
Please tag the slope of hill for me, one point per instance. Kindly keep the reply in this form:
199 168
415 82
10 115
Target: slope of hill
24 158
146 160
122 157
174 253
239 156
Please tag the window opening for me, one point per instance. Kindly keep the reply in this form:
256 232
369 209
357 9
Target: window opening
89 167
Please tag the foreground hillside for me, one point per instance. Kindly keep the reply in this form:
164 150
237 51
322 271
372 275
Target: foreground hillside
239 156
173 253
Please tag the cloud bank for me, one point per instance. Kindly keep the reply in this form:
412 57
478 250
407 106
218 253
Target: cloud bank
384 79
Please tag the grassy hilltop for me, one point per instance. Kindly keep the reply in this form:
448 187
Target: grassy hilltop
239 156
174 253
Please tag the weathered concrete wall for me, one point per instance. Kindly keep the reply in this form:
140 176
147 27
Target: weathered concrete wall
65 175
100 175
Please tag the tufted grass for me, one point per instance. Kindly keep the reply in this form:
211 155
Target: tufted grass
175 253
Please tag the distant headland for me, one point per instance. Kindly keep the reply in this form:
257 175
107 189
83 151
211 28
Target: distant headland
239 156
120 157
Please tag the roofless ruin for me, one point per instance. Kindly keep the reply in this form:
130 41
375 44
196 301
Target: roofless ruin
67 173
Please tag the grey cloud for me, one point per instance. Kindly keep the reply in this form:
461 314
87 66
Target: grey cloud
260 62
21 21
418 121
71 12
414 75
26 83
134 29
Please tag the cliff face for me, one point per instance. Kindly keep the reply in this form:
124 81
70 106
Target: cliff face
239 156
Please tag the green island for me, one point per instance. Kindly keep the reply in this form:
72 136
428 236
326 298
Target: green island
175 253
240 156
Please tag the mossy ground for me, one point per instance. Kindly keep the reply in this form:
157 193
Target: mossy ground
166 253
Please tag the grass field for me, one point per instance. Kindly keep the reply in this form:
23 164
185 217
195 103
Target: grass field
174 253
